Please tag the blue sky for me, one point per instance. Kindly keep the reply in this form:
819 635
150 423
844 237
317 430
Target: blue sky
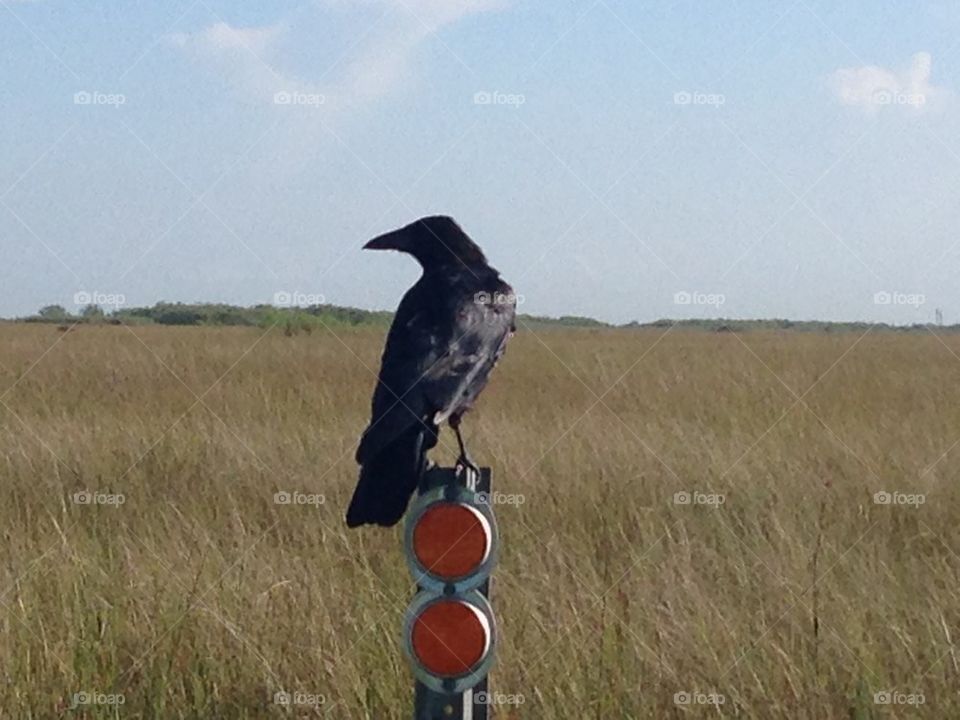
616 159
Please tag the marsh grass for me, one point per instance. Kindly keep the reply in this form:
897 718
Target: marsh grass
200 597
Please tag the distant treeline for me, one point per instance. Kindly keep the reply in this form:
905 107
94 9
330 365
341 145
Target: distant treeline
214 314
295 319
815 326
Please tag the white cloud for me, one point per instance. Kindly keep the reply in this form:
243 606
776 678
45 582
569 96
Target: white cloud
251 58
871 87
436 13
430 13
387 61
243 56
222 36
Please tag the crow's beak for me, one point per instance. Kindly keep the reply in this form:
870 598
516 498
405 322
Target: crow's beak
394 240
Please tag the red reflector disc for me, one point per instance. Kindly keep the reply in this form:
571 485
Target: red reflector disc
451 540
450 638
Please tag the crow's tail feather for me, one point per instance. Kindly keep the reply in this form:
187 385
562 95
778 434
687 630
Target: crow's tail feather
389 479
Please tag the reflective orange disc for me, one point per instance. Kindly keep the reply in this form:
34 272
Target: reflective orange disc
450 638
451 540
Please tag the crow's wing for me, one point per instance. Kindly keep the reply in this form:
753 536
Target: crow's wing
414 344
436 362
482 329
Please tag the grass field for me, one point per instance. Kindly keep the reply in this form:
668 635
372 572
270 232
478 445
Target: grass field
797 596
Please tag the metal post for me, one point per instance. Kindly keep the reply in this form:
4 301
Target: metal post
429 704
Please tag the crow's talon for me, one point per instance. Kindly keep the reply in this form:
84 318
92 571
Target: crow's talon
465 463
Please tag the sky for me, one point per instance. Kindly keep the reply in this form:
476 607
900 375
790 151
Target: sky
621 160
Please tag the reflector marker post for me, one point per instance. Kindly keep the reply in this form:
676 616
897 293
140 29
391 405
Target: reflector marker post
449 631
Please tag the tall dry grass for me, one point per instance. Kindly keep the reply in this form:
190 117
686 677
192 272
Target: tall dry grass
199 597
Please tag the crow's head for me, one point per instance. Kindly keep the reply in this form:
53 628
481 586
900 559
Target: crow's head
434 241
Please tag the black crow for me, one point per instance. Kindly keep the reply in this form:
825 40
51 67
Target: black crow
449 331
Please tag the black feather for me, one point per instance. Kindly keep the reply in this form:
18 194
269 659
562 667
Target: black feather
450 329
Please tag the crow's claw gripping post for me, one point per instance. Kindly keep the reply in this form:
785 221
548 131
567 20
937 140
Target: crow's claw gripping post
464 463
